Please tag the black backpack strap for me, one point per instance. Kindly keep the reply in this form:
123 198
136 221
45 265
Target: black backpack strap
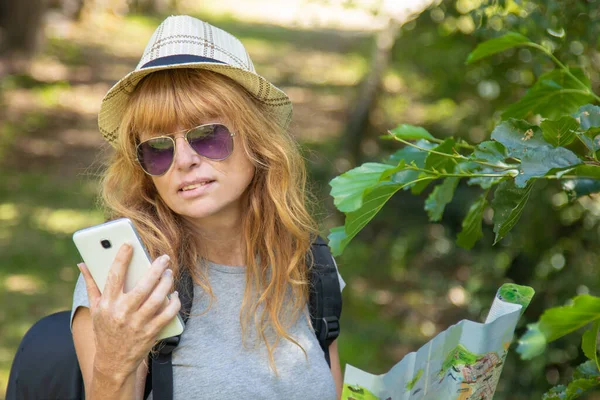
160 368
325 298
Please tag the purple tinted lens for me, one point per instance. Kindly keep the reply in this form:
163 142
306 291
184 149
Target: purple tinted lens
211 141
156 155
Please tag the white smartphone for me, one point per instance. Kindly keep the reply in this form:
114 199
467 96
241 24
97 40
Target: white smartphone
98 246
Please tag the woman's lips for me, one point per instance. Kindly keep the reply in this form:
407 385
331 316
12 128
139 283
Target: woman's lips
197 191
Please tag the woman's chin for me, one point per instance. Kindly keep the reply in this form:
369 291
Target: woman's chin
200 212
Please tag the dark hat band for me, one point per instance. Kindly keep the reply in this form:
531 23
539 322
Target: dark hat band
179 59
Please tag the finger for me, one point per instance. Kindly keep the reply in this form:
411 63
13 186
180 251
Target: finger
157 298
168 313
141 291
90 284
118 271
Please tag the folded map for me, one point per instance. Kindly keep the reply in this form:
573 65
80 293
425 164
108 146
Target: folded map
464 362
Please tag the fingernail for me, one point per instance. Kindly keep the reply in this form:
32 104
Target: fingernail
176 293
164 259
167 273
80 266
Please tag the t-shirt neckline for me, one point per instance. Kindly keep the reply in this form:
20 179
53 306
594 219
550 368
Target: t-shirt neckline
228 269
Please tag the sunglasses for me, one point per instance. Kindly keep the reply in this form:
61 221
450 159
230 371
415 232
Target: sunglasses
213 141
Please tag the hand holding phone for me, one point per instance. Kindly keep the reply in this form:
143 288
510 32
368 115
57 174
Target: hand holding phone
126 325
124 287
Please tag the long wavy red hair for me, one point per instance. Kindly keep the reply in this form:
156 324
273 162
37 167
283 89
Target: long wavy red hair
277 226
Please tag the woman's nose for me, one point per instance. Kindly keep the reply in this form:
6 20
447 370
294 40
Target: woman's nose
185 156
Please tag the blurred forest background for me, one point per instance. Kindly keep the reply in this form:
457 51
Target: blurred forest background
353 69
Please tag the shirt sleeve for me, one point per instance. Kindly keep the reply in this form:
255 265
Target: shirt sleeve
342 282
80 297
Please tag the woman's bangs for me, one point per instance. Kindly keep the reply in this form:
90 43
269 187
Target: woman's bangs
167 101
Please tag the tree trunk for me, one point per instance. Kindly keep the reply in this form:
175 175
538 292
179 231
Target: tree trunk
358 121
21 27
398 13
73 8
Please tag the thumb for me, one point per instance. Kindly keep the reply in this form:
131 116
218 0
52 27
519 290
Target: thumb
92 289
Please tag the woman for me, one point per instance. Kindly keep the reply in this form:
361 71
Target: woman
205 168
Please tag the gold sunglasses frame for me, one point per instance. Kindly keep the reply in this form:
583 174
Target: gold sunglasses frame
172 138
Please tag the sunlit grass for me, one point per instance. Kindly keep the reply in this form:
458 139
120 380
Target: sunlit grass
8 212
50 95
67 51
64 221
26 284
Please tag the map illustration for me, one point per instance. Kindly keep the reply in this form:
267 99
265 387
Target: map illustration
464 362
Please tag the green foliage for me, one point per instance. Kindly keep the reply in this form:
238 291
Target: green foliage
471 225
560 132
585 378
518 137
555 94
440 196
521 152
411 132
508 204
493 46
589 343
589 117
349 188
557 322
372 202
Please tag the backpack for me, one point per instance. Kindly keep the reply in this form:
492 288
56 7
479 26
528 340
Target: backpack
46 367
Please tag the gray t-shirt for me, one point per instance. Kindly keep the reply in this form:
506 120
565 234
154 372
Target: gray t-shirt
211 362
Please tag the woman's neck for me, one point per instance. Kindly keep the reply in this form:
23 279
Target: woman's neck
221 240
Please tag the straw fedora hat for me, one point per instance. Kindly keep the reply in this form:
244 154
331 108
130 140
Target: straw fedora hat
185 42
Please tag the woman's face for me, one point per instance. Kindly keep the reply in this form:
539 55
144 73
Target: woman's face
196 187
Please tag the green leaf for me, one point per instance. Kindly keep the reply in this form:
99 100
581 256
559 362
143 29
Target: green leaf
553 95
576 188
587 370
583 171
356 220
559 321
411 132
589 343
410 156
486 182
440 196
508 205
471 225
592 143
532 343
440 162
436 162
491 152
418 187
580 181
558 392
349 188
493 46
579 387
518 137
588 116
560 132
337 240
541 160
